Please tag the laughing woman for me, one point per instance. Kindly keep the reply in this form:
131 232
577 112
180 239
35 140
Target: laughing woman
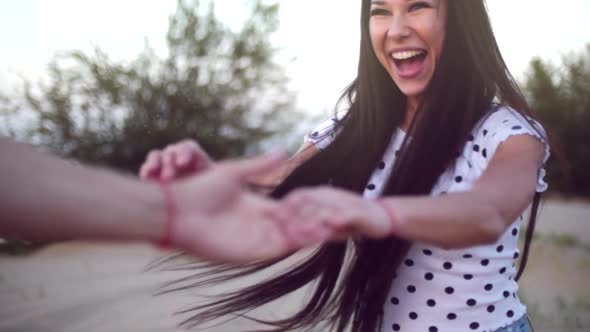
429 171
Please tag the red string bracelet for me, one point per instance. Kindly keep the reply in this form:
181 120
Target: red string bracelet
166 240
390 213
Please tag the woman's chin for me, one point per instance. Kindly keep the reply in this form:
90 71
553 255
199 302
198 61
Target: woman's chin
412 90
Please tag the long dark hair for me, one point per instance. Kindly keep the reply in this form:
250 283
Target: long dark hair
351 278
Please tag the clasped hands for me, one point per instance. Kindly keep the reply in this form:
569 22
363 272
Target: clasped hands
220 219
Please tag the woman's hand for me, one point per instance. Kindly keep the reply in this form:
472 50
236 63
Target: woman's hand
333 214
175 161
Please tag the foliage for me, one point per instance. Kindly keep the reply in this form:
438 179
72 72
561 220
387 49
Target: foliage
219 86
560 96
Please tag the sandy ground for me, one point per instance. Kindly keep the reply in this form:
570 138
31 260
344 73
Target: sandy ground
105 287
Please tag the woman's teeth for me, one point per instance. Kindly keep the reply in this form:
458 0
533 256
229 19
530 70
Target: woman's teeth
403 55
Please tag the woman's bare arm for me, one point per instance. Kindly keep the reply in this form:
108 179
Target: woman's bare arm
455 220
482 214
267 182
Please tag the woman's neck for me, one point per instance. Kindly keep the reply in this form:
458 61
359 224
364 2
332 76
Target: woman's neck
411 107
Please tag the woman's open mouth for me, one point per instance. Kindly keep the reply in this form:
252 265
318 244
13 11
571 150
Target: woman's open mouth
409 64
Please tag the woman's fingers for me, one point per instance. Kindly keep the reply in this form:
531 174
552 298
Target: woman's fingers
330 216
176 160
151 167
243 169
188 154
352 212
168 164
184 157
312 222
188 158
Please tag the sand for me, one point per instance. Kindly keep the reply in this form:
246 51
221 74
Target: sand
97 287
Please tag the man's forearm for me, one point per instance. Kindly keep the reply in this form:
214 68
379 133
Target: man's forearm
44 198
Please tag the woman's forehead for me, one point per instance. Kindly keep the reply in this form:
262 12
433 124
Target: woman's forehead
392 2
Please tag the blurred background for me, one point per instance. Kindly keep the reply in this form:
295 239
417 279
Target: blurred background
103 82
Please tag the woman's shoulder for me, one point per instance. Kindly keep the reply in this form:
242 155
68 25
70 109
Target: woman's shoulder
502 117
503 122
499 125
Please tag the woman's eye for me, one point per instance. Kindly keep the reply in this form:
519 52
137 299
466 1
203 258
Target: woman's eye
379 12
419 5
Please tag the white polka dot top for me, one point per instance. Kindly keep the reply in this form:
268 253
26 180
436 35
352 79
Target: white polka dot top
472 289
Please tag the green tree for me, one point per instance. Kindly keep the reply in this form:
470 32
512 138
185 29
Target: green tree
219 86
560 95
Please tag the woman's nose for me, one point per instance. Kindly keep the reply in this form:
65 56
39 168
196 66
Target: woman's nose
398 27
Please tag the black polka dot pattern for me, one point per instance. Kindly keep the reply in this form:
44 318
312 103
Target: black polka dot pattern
457 290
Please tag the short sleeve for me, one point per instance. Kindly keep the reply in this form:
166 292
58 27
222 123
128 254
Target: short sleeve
324 133
505 123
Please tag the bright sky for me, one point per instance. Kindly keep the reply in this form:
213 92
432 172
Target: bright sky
318 39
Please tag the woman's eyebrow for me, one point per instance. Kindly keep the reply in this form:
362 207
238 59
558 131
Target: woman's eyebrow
377 2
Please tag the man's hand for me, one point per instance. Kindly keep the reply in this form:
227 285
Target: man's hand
218 220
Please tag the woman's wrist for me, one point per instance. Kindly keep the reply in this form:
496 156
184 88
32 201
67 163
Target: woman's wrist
390 213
